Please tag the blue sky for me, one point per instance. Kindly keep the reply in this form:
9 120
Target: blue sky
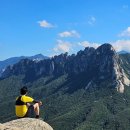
51 27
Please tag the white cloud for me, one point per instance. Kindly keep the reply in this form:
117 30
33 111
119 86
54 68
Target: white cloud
92 20
89 44
45 24
65 46
62 46
118 45
53 54
121 45
72 33
125 33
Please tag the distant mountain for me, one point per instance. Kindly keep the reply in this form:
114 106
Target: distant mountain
89 90
37 57
14 60
123 52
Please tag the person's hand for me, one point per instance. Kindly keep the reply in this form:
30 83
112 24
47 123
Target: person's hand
40 103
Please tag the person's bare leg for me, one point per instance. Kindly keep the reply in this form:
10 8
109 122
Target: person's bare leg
36 109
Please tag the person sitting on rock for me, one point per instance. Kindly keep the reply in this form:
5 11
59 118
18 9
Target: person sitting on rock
25 104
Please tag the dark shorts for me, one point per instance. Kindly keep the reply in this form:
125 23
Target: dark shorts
30 112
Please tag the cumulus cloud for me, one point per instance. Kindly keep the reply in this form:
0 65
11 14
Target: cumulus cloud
89 44
91 20
62 46
53 54
125 33
45 24
72 33
120 45
65 46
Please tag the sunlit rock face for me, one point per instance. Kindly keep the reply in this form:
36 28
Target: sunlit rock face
98 65
26 124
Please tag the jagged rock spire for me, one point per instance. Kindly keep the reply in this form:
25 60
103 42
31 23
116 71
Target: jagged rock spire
99 65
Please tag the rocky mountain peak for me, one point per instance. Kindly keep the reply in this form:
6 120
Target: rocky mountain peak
106 49
109 67
99 65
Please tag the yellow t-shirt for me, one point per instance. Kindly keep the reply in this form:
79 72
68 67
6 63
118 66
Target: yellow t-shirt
21 107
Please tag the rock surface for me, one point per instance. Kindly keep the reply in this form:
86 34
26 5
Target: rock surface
100 65
26 124
4 127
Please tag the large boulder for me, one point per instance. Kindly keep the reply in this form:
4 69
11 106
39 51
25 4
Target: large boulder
4 127
26 124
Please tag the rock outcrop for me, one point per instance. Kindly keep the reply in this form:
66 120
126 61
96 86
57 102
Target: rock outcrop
26 124
100 65
4 127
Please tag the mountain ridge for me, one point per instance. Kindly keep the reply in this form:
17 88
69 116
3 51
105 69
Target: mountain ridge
85 98
103 63
13 60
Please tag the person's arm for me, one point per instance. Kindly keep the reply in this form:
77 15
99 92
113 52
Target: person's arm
39 102
35 101
27 99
